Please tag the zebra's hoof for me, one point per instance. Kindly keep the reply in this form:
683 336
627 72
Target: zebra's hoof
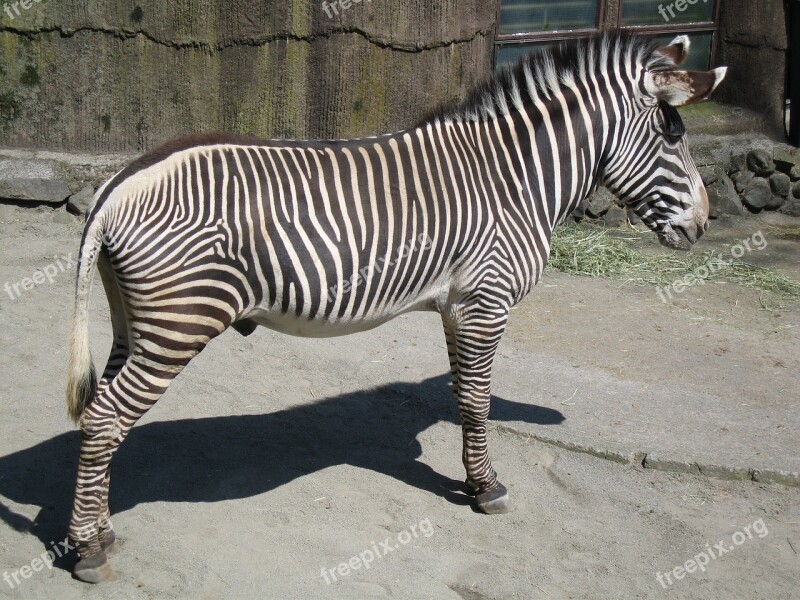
109 543
94 569
494 502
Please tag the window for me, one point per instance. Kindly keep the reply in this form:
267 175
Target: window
658 12
526 16
530 25
664 19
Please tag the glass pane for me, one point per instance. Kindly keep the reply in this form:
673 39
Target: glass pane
699 51
530 16
510 53
662 12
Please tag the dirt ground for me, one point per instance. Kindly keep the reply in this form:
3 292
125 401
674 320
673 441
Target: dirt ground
272 461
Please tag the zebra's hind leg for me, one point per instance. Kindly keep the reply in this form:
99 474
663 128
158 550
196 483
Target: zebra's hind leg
105 531
104 424
120 351
473 335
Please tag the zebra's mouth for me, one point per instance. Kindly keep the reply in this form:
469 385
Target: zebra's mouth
676 237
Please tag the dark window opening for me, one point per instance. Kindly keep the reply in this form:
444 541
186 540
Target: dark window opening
530 25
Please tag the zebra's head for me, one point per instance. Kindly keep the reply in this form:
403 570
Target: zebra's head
650 167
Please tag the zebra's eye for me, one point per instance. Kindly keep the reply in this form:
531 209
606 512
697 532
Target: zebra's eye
671 123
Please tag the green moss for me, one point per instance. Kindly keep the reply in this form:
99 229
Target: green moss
301 17
30 76
371 93
297 65
704 110
10 107
106 121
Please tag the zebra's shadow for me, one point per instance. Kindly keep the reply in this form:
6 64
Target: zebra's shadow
223 458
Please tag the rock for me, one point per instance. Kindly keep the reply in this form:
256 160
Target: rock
794 173
791 207
78 203
723 199
741 179
780 184
757 194
738 163
27 168
34 190
615 216
796 189
580 210
709 175
774 203
785 158
63 217
633 218
599 203
760 163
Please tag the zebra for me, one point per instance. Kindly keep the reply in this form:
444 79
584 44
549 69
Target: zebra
325 238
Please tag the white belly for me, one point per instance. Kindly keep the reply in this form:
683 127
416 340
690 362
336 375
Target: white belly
319 327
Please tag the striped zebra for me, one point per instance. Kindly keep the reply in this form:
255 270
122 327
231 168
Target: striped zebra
325 238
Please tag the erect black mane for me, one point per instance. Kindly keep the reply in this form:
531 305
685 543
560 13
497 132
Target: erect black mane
548 69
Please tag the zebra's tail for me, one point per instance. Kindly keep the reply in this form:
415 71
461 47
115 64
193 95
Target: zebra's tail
81 375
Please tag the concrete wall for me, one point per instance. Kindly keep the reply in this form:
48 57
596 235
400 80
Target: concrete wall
753 43
116 76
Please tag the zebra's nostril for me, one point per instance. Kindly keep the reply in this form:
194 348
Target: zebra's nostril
685 233
700 232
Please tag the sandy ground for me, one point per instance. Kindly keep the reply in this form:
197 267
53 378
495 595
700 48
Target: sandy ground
273 458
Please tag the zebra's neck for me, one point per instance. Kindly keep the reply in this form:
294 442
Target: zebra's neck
545 159
563 141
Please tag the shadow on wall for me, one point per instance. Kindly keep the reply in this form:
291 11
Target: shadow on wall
247 455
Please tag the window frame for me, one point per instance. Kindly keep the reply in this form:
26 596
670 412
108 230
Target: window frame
606 21
556 34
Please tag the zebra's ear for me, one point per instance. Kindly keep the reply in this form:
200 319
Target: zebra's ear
677 50
679 88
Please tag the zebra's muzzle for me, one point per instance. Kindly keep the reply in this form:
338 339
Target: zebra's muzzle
677 237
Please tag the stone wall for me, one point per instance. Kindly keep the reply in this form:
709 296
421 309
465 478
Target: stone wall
114 76
742 173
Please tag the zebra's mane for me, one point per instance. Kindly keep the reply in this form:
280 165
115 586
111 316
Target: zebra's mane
537 76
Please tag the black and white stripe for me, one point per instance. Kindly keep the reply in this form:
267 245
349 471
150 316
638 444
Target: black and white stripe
323 238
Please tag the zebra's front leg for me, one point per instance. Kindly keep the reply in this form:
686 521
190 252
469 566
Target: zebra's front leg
472 340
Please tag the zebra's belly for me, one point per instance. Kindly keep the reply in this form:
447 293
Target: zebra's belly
304 326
